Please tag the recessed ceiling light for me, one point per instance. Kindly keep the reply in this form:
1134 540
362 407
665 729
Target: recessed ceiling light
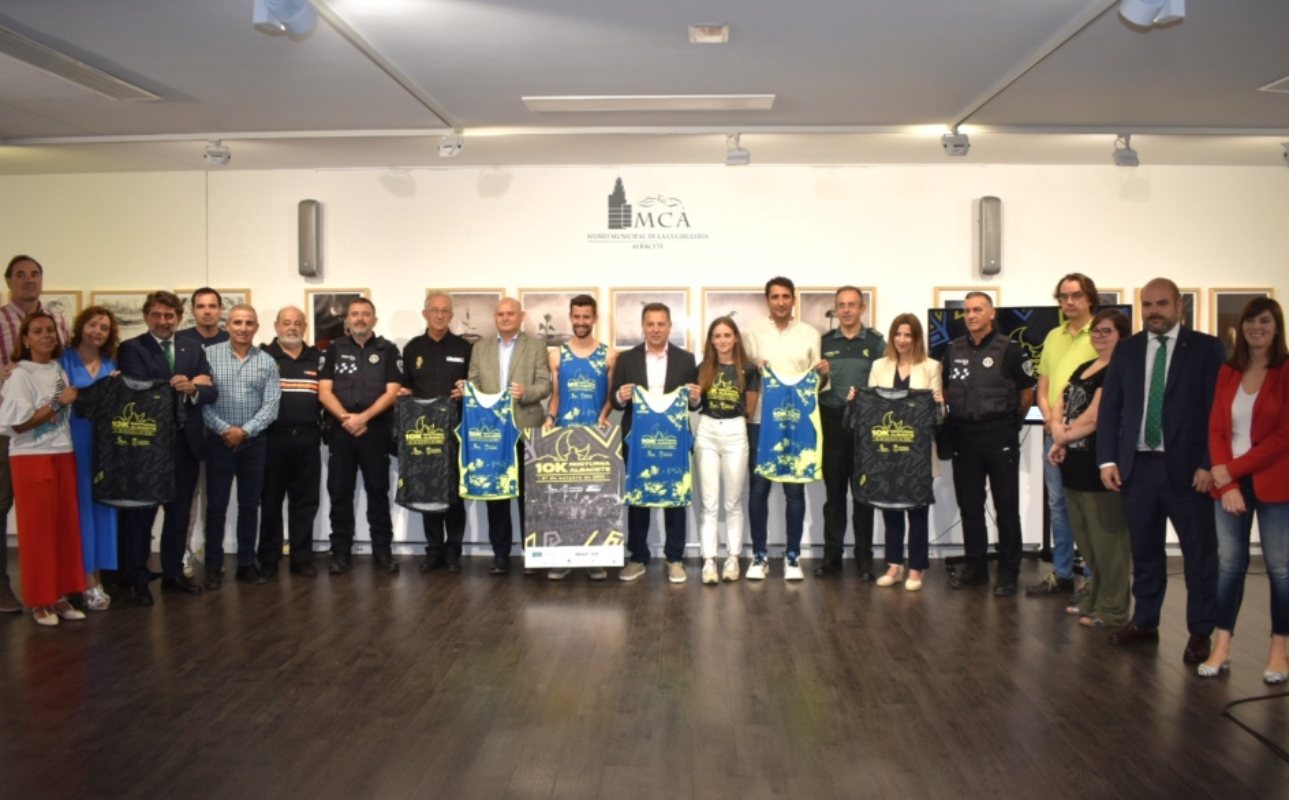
651 102
709 34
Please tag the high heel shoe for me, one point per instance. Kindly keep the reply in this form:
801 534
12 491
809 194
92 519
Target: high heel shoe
890 580
1205 671
1271 678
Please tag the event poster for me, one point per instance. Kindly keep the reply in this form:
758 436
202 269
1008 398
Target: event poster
573 510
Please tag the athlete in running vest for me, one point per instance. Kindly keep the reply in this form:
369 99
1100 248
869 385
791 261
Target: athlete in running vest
581 371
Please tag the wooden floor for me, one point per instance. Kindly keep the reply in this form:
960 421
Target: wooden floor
471 686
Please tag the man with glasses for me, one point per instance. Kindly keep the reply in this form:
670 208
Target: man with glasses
1065 348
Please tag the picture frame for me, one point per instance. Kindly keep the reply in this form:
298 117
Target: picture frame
815 302
626 305
742 304
326 309
953 296
127 306
229 298
473 311
64 302
546 313
1109 297
1190 309
1224 307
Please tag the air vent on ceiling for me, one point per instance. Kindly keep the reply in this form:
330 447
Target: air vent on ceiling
1281 86
651 102
64 66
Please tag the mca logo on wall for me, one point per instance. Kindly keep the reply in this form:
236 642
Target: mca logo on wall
648 224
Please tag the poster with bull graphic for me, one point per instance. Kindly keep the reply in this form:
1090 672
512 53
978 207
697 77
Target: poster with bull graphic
573 511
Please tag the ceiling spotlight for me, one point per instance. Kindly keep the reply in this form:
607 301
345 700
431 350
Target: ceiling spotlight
450 145
1124 155
276 17
735 155
1149 13
217 153
955 144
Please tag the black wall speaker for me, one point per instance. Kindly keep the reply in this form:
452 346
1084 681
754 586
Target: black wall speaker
991 235
310 238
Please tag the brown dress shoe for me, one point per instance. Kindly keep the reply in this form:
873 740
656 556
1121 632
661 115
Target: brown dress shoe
1197 650
1130 634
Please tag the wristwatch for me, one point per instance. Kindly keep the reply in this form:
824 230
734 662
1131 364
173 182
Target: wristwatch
54 405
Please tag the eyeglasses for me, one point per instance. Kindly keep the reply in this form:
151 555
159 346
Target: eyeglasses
1071 296
1103 332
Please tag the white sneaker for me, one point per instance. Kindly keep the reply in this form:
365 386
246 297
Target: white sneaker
676 571
730 573
710 576
792 570
190 564
759 570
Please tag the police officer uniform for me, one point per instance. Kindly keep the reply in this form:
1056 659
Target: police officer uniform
293 464
359 373
431 369
982 387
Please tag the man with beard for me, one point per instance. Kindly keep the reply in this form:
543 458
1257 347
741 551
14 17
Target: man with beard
207 308
293 462
581 370
1152 445
357 385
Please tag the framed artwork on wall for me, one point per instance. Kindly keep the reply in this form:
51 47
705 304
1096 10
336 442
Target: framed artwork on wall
1190 309
546 313
64 302
1109 297
815 305
326 309
628 304
229 298
953 296
473 311
126 305
743 305
1224 307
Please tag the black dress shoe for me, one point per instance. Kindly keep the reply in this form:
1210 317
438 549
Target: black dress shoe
968 578
214 579
500 568
339 564
180 584
140 597
249 574
384 562
1006 587
454 566
430 564
865 567
828 568
1198 649
268 569
1130 634
306 570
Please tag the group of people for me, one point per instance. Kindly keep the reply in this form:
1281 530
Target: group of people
1139 430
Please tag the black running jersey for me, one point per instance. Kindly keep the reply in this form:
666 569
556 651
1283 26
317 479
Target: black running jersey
136 429
894 432
427 453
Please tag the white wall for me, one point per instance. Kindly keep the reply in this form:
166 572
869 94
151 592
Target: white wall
903 229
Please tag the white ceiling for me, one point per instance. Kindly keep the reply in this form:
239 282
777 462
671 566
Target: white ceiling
856 81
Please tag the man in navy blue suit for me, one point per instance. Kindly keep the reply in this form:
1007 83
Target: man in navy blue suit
159 356
1152 445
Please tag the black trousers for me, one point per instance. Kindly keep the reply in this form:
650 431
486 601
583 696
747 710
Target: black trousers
134 527
444 532
369 454
292 473
1149 502
839 480
988 452
501 532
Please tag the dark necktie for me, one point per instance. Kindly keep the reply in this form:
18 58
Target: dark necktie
1155 401
167 347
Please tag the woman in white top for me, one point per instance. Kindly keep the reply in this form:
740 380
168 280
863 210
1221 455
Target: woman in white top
906 366
34 411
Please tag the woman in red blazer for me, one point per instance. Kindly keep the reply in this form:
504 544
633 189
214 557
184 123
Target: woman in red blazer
1248 441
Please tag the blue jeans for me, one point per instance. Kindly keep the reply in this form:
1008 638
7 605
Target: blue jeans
758 504
223 464
1233 558
1062 531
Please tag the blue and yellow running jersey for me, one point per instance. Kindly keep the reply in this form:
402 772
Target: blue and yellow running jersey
489 461
583 385
790 447
659 472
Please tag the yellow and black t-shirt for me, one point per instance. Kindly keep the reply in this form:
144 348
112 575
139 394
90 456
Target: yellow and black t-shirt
136 429
723 399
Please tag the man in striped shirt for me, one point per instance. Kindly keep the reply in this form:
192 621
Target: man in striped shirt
249 393
26 279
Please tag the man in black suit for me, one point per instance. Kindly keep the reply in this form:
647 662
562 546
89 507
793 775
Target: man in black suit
659 366
158 356
1152 445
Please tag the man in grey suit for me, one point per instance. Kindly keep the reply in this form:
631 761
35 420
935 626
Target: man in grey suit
514 362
